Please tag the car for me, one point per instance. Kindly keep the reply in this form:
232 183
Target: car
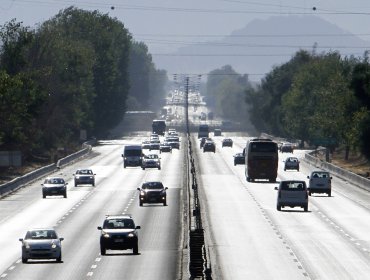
165 147
41 243
291 163
119 233
84 177
286 148
173 141
152 192
227 142
319 182
209 146
54 186
151 161
292 193
239 158
155 144
217 132
146 145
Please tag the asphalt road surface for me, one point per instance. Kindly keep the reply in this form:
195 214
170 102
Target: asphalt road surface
246 237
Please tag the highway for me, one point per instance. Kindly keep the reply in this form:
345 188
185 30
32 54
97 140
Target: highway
77 217
246 237
249 239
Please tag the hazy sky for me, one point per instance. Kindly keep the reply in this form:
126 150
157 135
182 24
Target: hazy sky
165 25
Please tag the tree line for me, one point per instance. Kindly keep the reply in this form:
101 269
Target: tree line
316 98
80 70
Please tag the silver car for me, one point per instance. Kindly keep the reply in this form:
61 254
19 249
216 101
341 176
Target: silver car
151 161
41 243
319 182
292 194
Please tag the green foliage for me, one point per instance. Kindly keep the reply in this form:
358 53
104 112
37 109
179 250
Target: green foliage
225 90
69 74
146 83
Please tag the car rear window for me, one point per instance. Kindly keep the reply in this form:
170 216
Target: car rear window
263 147
293 186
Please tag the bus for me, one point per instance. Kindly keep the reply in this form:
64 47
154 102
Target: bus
159 127
261 160
203 131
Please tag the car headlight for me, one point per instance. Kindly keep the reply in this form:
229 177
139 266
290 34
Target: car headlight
142 193
131 235
53 246
26 245
106 235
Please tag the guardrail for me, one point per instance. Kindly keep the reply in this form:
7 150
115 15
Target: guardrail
346 175
21 181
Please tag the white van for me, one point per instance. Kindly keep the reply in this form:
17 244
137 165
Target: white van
319 182
132 155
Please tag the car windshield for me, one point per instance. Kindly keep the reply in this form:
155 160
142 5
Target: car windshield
41 234
293 186
54 181
118 223
84 172
292 159
152 185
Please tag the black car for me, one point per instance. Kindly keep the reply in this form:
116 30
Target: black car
286 148
209 147
239 158
227 142
119 233
54 186
152 192
84 177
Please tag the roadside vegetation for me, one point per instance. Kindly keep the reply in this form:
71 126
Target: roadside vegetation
318 98
79 71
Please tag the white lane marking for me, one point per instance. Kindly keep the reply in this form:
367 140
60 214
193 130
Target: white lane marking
94 266
3 275
98 259
12 267
90 274
18 261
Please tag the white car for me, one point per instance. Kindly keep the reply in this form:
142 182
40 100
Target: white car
292 194
151 161
41 243
319 182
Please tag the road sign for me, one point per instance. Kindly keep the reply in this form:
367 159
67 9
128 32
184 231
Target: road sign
324 141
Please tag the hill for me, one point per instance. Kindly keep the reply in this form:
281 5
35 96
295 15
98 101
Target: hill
261 44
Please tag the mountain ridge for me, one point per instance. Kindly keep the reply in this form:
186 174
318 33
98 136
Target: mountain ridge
261 45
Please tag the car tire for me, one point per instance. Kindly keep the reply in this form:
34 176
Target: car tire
284 169
248 179
142 168
278 207
103 251
309 193
24 260
234 164
135 249
159 168
59 259
43 195
93 184
305 208
329 193
65 194
140 203
165 203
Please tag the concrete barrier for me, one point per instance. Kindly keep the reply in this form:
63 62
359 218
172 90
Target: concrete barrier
19 182
346 175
